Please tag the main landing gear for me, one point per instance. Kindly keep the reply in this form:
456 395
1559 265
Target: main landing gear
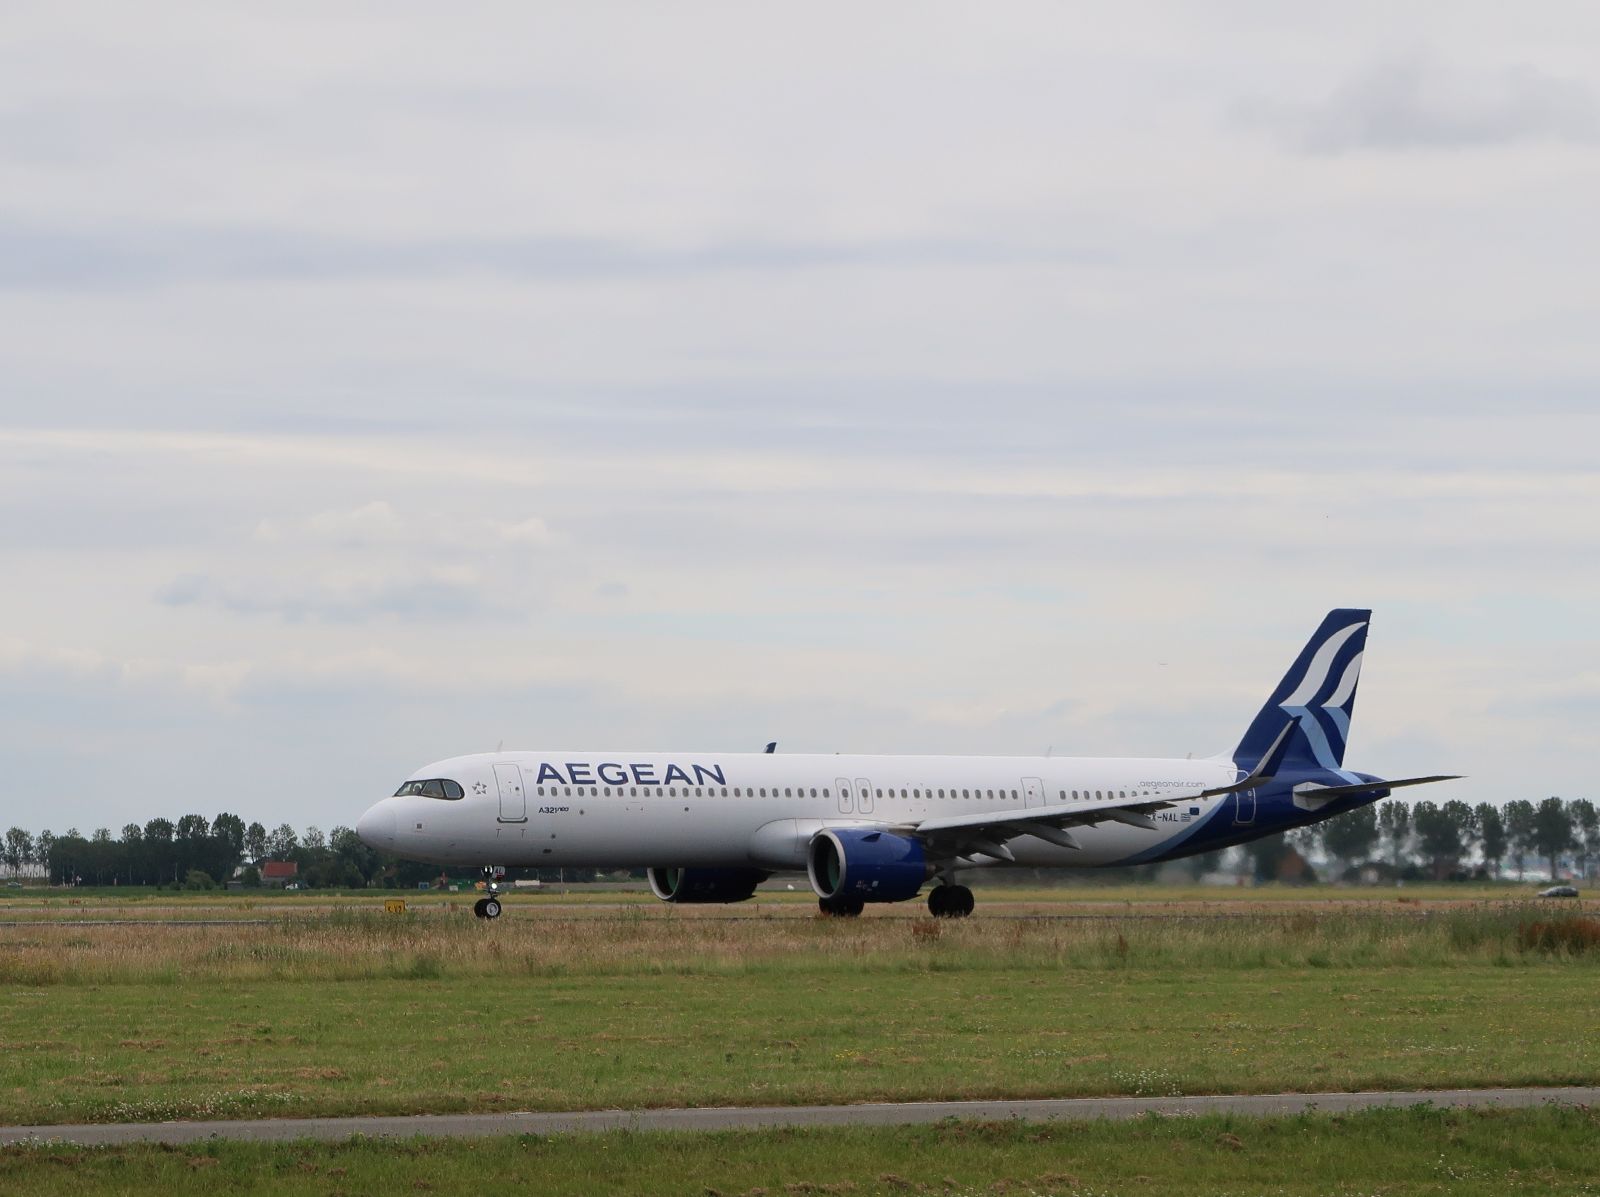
841 908
950 901
489 907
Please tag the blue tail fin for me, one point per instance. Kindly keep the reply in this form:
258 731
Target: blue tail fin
1318 694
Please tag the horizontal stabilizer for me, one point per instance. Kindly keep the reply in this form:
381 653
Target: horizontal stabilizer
1367 787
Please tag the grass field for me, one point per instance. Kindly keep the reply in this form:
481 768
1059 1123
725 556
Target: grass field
1391 1152
352 1011
36 902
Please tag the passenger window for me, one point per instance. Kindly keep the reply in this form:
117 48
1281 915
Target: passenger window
813 791
824 791
633 791
880 793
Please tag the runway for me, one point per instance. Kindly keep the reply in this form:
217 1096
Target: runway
459 1126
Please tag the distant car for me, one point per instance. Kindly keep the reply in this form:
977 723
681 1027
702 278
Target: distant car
1559 891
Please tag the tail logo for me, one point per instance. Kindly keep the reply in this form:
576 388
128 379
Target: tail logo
1320 702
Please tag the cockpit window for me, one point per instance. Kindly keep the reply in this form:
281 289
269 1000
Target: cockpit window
434 787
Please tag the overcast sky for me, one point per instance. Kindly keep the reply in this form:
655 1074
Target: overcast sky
381 382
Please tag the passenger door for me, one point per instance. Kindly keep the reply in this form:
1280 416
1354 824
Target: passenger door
513 801
1244 806
864 795
1033 791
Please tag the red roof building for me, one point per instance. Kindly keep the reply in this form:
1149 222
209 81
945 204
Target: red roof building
279 872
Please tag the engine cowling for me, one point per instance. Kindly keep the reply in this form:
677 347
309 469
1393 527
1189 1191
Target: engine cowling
704 885
865 863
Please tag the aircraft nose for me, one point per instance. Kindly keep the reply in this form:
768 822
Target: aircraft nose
376 827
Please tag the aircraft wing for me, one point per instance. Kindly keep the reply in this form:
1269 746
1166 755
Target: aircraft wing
986 834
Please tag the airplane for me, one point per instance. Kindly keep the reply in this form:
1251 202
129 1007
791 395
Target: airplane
711 827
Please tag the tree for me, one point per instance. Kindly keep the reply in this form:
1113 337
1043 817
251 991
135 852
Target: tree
282 842
43 848
230 830
1552 831
193 827
132 834
159 861
1439 837
1394 818
1353 835
314 839
18 849
255 841
1586 832
1466 822
1519 830
349 848
1491 836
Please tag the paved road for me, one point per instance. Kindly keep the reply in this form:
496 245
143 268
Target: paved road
455 1126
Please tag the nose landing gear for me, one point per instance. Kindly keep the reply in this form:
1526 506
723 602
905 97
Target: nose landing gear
489 907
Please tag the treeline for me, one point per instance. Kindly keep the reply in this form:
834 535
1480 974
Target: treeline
1439 841
1455 840
194 852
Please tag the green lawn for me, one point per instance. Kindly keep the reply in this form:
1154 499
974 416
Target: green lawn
368 1014
1393 1152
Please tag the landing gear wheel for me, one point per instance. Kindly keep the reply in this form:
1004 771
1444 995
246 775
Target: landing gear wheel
950 902
489 908
962 900
847 908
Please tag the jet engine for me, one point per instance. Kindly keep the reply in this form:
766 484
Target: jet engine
704 885
866 865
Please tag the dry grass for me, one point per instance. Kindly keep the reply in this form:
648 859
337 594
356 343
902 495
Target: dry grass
362 945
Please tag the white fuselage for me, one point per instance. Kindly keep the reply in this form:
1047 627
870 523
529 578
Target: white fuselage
737 810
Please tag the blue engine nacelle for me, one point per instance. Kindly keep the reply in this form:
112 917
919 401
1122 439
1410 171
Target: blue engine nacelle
704 885
867 864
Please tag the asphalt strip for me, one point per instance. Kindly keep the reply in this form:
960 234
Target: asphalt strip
463 1126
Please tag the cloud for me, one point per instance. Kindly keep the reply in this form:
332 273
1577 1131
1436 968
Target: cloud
446 594
36 255
1414 103
378 524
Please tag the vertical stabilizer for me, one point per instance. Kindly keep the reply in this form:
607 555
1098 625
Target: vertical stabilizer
1318 694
